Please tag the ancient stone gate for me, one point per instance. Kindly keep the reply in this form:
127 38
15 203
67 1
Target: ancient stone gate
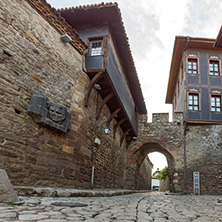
159 136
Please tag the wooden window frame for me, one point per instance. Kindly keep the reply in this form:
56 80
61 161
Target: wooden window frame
89 40
215 107
194 93
191 71
214 71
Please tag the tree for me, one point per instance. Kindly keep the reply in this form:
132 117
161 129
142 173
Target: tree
163 174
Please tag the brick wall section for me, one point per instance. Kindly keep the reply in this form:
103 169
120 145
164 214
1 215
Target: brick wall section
33 59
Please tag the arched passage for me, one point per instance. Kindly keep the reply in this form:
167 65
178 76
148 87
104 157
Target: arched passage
141 153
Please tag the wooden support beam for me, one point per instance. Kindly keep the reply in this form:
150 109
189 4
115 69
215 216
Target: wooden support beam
93 81
124 135
113 115
103 102
129 141
117 125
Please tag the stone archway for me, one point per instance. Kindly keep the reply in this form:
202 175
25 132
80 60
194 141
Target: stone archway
141 153
161 136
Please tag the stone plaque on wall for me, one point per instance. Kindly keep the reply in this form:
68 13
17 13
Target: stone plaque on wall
49 114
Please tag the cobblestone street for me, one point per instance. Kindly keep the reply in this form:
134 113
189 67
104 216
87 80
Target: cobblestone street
153 206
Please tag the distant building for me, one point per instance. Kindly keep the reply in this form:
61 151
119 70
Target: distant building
155 185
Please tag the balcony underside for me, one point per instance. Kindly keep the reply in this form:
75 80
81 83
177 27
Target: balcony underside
111 98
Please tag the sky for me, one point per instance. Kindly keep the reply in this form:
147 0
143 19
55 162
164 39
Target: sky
151 26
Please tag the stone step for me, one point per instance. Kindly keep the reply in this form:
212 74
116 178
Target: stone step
59 192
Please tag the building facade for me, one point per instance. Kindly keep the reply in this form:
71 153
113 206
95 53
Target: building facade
57 97
195 82
195 89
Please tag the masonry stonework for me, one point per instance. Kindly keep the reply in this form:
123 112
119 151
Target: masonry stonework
204 154
144 177
159 136
187 149
33 59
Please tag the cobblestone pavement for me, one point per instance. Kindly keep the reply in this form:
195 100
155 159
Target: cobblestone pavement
152 206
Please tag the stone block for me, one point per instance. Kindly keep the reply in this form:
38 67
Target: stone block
160 117
7 192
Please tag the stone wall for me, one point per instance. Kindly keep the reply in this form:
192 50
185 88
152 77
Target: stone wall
34 59
200 147
145 173
165 185
204 154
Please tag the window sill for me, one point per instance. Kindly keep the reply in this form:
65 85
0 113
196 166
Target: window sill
196 111
214 76
93 55
193 74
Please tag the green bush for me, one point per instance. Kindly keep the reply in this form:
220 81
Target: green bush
163 174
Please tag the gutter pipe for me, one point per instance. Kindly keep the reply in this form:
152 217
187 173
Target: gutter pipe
185 118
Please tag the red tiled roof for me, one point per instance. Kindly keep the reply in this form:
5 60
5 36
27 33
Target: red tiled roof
58 22
110 13
218 42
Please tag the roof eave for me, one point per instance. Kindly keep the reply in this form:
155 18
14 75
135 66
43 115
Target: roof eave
218 42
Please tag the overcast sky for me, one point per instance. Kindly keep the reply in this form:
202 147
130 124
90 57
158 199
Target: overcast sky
151 26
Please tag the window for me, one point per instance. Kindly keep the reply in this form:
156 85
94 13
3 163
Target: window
214 68
95 47
192 66
193 101
216 103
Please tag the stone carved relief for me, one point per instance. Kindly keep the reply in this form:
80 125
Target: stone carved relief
48 113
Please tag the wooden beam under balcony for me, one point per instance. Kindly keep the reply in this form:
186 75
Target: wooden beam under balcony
93 81
124 136
117 125
103 102
113 115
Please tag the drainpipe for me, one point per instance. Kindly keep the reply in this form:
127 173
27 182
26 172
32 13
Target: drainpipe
97 143
93 167
185 117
